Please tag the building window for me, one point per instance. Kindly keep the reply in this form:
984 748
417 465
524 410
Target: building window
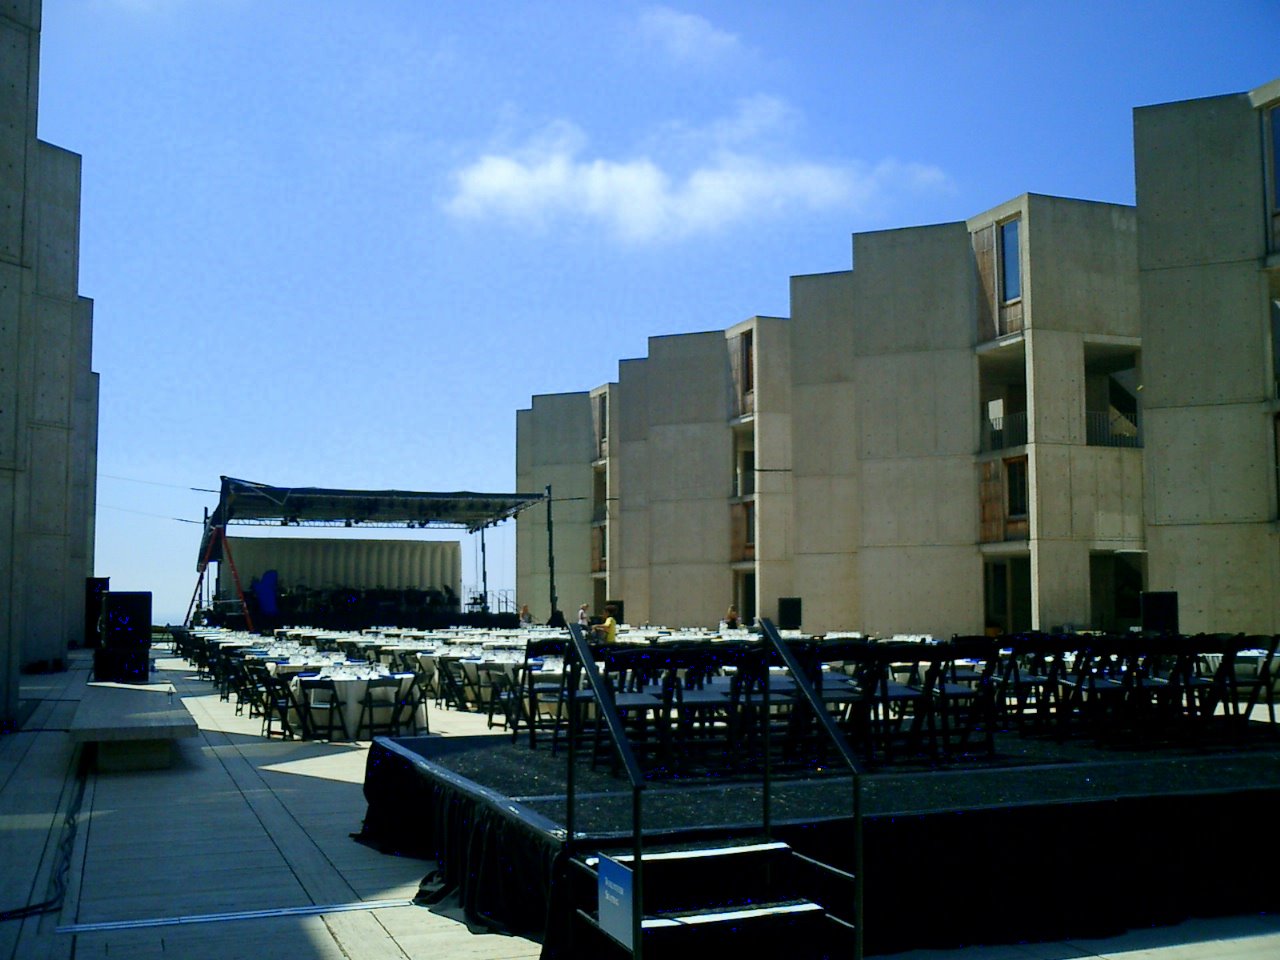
1015 474
742 360
749 533
599 497
745 475
600 422
1010 264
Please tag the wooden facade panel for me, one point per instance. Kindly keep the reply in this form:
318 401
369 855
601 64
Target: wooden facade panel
991 499
984 254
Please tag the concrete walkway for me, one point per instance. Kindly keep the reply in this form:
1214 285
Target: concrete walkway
167 862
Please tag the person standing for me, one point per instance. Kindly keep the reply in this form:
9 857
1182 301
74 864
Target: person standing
584 619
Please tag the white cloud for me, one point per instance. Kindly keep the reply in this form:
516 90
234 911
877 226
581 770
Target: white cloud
686 37
551 180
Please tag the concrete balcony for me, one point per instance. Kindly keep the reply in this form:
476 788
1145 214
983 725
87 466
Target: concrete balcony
1001 433
1113 429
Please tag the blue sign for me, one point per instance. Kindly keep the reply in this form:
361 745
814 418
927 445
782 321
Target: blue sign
616 908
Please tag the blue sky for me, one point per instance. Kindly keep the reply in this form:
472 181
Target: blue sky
341 242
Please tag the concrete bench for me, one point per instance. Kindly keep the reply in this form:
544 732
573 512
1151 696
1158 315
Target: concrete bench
132 725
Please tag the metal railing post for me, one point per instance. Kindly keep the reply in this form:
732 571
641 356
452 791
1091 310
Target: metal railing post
774 639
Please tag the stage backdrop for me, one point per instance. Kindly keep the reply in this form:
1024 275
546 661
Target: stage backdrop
353 564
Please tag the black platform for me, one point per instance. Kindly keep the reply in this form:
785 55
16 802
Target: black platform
1046 842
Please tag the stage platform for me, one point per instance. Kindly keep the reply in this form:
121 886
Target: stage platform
1044 841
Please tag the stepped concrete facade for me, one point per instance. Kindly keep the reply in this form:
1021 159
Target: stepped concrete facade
1024 420
48 391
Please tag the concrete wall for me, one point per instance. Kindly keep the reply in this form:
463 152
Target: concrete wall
884 427
1211 503
48 393
689 473
824 443
629 522
554 446
1082 264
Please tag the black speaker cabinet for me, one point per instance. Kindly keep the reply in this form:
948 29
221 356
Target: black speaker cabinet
1160 611
122 664
620 616
126 620
789 613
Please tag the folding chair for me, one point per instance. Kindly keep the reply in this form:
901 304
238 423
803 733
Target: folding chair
966 692
539 695
452 684
321 702
420 692
380 708
501 693
902 676
280 707
1262 685
1029 679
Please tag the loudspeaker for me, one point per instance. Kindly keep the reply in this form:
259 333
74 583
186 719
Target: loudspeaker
619 616
94 588
1160 611
122 664
126 620
788 613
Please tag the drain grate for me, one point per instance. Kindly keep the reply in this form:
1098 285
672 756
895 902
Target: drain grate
311 911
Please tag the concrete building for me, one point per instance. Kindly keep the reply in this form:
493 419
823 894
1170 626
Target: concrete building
943 438
1025 420
652 452
964 424
1208 189
48 393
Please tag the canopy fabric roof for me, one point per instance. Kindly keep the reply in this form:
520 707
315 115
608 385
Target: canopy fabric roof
243 501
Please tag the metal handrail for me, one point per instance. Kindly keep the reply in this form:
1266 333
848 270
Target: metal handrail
580 659
788 657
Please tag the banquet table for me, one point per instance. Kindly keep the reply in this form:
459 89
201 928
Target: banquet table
350 685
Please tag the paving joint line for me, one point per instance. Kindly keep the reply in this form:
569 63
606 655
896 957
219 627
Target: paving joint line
307 911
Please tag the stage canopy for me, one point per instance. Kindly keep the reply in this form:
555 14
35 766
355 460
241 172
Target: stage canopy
243 501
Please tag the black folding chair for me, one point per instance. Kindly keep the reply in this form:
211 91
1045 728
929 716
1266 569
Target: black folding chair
421 691
1030 671
323 707
966 692
279 706
381 708
1260 686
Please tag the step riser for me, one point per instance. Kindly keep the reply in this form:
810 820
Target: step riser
790 935
728 880
678 884
718 881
